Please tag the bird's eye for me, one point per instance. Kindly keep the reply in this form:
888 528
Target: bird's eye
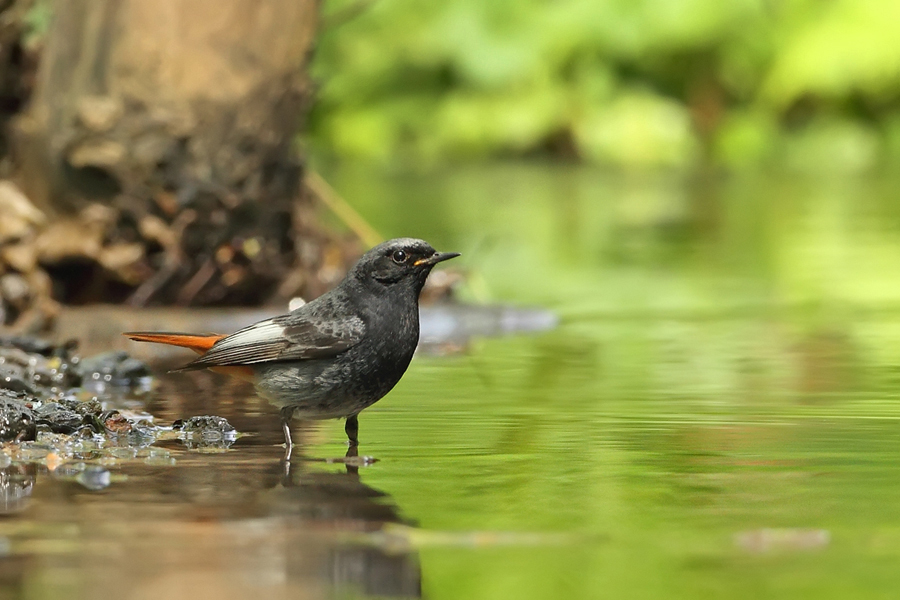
399 256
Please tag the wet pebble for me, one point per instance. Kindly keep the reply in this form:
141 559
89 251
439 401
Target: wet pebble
17 420
59 418
206 433
115 423
140 435
49 393
204 426
92 406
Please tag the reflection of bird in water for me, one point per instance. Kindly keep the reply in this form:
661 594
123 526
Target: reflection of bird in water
339 504
246 527
16 483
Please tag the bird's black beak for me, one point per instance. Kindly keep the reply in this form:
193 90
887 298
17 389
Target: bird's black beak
435 258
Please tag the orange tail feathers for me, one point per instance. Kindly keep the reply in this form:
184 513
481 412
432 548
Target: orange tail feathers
198 343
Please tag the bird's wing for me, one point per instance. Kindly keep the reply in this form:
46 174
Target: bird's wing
288 337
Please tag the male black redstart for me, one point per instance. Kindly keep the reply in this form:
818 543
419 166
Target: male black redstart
336 355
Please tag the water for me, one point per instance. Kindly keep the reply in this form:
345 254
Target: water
715 416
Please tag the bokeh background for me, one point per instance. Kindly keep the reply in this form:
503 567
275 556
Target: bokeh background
684 84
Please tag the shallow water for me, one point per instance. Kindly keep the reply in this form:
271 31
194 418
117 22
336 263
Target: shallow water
716 416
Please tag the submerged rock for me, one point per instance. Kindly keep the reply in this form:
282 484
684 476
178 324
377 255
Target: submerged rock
89 407
57 407
203 425
17 419
42 384
115 423
59 418
206 433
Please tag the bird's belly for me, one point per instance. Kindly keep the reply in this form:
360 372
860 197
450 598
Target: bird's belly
327 389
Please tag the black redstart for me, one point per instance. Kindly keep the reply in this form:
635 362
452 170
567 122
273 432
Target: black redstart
336 355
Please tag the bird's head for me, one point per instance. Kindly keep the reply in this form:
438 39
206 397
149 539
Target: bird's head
401 261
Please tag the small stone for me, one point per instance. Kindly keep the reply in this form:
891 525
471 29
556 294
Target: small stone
204 424
140 435
59 418
115 423
90 406
17 421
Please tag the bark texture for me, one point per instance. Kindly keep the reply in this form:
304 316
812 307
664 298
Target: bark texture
159 143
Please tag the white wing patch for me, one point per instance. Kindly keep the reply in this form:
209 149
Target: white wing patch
282 338
258 333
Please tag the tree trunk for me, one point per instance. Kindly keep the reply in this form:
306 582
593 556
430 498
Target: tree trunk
160 138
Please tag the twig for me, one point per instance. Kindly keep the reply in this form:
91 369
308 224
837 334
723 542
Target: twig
346 213
197 282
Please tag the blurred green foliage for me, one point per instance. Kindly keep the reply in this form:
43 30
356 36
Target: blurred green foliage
813 84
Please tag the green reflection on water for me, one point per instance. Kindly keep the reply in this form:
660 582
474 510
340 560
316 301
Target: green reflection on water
716 416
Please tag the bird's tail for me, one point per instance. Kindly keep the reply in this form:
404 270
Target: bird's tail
199 343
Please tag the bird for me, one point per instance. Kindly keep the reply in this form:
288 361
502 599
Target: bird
335 355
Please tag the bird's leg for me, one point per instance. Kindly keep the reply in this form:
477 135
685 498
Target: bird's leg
352 467
352 430
286 413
